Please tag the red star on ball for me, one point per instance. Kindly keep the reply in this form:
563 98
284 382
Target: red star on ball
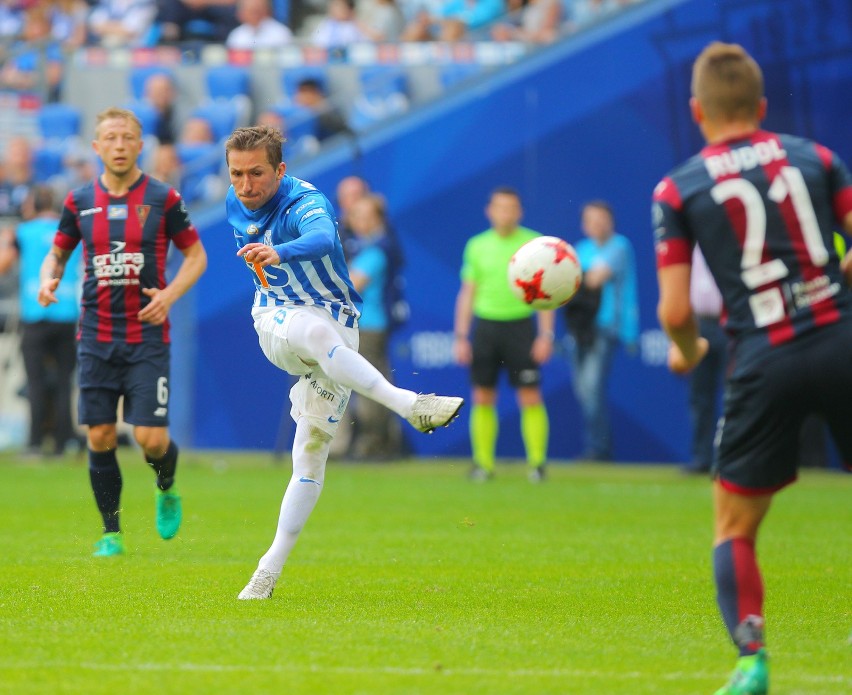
561 251
532 288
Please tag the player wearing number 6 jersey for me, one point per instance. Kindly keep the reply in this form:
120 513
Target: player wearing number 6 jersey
125 221
306 316
762 207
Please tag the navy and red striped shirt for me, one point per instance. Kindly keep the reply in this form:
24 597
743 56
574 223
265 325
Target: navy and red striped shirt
763 209
125 242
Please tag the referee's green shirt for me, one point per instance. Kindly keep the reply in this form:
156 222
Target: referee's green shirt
485 263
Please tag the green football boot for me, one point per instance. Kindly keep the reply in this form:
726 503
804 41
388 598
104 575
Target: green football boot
109 544
169 512
750 677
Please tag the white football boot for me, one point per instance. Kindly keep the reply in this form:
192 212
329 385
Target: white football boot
260 585
430 411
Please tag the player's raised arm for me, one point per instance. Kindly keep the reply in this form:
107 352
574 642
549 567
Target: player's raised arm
52 270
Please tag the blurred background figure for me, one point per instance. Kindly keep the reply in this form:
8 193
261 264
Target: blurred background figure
382 21
115 23
35 63
349 190
609 265
339 27
160 93
208 21
17 176
377 432
68 22
706 380
330 120
258 28
534 21
48 335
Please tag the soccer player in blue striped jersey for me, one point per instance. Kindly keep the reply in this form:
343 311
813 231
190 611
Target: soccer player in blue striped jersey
763 208
306 316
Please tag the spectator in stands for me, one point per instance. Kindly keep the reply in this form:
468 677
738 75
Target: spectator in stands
310 94
165 165
453 20
339 27
11 21
35 63
17 176
583 12
382 21
536 21
161 94
115 23
200 162
199 20
68 22
48 341
78 167
197 131
258 29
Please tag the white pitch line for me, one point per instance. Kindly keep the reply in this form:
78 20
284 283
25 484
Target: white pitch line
392 670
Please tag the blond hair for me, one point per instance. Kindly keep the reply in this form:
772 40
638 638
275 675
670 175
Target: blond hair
256 137
727 82
113 112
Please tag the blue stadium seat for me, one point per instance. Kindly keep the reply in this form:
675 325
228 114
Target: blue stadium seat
227 81
301 129
139 76
384 93
48 161
147 114
453 73
59 121
223 117
201 170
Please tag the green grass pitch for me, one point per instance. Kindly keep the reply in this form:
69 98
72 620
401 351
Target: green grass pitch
409 579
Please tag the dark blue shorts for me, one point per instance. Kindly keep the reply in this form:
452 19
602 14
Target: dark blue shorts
766 404
504 344
138 372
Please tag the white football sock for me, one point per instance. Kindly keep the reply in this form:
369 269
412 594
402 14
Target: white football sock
346 366
310 453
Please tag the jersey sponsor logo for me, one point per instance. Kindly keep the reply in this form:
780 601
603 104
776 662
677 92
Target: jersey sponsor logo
333 420
325 394
744 158
142 212
118 267
332 351
311 213
116 212
305 479
302 207
90 211
161 412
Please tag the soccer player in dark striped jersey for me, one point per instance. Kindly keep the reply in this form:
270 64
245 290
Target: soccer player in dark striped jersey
762 207
126 222
305 312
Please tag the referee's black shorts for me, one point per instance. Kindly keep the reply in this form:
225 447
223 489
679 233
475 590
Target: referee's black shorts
504 344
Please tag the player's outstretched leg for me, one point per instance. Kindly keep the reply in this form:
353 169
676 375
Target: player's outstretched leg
310 453
311 336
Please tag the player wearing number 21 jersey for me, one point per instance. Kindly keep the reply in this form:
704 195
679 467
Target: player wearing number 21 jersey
763 209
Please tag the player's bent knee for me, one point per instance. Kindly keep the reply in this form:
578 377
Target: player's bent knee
102 437
153 440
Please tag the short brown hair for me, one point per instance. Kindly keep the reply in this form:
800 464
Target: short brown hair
255 137
117 113
727 82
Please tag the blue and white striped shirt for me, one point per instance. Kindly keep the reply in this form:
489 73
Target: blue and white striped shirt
299 223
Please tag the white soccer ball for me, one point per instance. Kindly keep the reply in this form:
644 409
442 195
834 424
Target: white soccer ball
545 272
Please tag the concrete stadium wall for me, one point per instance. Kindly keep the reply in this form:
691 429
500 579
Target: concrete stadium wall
603 115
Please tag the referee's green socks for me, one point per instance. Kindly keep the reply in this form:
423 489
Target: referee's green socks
535 431
484 427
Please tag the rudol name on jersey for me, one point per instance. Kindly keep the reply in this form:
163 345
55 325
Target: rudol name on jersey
744 158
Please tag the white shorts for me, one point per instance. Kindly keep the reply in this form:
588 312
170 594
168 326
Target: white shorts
314 395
